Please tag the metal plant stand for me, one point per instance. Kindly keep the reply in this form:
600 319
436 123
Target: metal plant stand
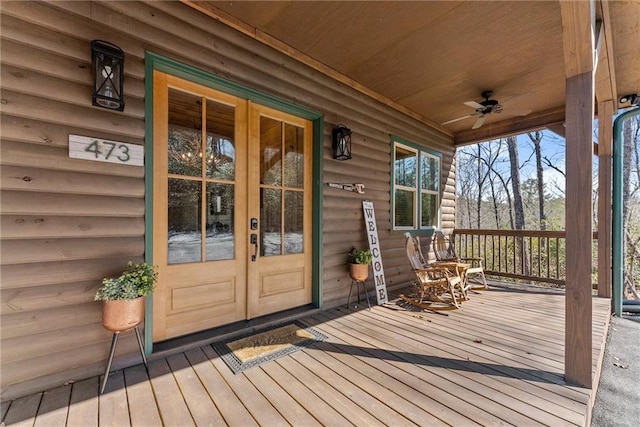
358 282
114 342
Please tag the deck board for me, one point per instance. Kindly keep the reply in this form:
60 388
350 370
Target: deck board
435 370
455 371
199 403
233 412
83 410
113 406
319 409
54 407
23 411
169 398
142 404
257 404
499 360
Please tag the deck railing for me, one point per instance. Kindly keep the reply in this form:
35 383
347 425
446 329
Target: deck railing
531 255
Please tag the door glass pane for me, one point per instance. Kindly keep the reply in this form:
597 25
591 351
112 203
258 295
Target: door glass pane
221 153
405 167
429 210
293 222
294 156
270 151
404 209
185 134
220 213
185 237
270 222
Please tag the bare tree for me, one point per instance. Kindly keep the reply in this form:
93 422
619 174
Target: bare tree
518 207
536 139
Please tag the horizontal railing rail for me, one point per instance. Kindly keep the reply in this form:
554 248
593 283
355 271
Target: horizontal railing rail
531 255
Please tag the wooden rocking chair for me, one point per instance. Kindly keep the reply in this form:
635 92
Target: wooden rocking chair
434 286
445 254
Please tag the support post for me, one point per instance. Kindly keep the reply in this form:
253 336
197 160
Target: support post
578 304
578 24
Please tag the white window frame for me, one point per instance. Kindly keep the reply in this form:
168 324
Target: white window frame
417 190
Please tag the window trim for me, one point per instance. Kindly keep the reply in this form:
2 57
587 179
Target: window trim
420 151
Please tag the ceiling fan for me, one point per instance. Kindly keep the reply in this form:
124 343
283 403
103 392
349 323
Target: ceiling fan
486 107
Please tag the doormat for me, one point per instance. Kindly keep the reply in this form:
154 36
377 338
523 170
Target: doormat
254 349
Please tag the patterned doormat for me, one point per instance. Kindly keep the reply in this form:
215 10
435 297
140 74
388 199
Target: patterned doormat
254 349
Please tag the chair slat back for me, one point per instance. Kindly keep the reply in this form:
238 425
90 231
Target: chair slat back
443 248
413 252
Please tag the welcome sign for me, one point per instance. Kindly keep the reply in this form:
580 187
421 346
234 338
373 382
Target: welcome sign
374 246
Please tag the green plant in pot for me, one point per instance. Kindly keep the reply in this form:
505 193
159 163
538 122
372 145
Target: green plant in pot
123 297
359 261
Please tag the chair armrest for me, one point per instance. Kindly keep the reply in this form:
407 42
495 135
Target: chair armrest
444 264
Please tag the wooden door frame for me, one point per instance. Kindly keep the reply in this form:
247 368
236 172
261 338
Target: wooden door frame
155 62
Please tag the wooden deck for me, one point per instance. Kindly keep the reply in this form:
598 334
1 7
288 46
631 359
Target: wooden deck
497 361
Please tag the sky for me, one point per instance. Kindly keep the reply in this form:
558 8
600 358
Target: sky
553 148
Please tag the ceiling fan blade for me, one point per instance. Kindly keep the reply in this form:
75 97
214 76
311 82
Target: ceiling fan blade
459 118
473 104
479 122
515 112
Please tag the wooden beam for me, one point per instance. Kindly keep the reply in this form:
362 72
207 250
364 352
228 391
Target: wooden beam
605 68
605 137
577 35
558 129
515 126
578 19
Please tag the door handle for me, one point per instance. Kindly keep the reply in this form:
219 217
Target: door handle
254 242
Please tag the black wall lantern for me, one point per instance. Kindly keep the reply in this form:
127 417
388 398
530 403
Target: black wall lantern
341 143
107 64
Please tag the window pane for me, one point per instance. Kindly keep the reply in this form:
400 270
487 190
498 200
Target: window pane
293 222
220 233
185 134
405 167
270 222
404 208
429 173
429 210
294 157
221 153
270 151
185 237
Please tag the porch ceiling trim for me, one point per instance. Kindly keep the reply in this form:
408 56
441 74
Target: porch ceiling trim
515 126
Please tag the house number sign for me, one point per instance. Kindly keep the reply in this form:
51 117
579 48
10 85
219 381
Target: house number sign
103 150
374 246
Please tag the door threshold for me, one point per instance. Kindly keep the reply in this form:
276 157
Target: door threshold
173 346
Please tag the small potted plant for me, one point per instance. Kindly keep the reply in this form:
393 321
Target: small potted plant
123 297
359 261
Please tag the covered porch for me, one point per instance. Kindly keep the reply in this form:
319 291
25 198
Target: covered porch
499 360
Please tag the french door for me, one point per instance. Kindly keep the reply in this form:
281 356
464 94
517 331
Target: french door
231 208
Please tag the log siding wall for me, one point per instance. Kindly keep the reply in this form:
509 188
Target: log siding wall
66 223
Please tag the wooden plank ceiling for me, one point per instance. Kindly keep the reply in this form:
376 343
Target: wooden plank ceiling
429 57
